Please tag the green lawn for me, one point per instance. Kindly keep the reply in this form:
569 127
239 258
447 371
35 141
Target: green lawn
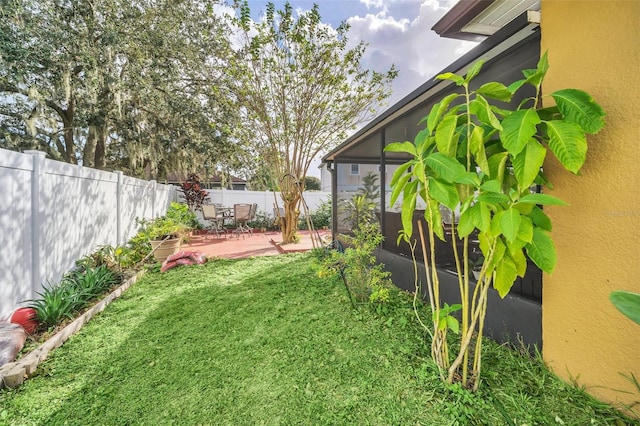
265 341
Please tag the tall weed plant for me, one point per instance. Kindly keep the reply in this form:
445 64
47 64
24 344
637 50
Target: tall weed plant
480 160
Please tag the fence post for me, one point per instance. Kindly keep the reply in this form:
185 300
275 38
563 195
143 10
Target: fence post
36 217
154 196
119 192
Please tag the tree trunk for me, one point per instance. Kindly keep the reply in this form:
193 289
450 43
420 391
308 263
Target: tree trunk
89 152
291 214
101 148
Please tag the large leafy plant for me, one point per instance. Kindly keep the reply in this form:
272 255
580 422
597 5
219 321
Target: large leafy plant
480 161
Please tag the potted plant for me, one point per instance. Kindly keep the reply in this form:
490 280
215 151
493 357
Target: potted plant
181 213
165 236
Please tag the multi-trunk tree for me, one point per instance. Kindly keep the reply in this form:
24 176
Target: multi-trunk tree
300 89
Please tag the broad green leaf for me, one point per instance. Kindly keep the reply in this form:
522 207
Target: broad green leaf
549 113
535 76
517 130
453 324
524 209
480 107
465 223
438 110
408 207
499 253
525 231
497 166
542 251
477 216
568 143
496 227
398 188
451 77
436 223
446 136
510 224
400 171
442 323
419 172
406 146
540 219
495 90
628 303
481 216
580 108
492 186
543 64
506 274
519 260
477 149
543 199
422 140
446 168
468 178
500 112
426 146
494 198
474 70
516 85
484 243
527 164
443 192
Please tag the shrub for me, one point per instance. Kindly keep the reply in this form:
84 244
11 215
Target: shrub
321 217
56 303
180 213
72 294
365 279
194 195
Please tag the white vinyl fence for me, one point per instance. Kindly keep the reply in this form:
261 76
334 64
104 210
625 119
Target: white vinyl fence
53 213
264 199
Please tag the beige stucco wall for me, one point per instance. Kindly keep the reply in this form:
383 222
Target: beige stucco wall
595 46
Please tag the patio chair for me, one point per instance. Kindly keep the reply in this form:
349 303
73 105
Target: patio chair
212 214
244 213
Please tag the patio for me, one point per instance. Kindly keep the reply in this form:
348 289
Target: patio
258 244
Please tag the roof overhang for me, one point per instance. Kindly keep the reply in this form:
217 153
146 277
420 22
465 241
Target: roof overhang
475 20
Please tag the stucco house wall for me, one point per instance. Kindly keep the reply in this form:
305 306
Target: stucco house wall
595 46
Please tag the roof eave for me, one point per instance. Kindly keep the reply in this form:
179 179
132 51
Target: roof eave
452 23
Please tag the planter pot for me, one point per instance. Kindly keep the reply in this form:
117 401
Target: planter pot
164 249
26 317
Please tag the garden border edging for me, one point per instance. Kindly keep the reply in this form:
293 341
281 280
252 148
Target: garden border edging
13 374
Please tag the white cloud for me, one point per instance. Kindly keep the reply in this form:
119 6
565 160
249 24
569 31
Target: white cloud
374 4
401 34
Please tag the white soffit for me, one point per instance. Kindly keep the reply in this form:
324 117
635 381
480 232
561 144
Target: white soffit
499 14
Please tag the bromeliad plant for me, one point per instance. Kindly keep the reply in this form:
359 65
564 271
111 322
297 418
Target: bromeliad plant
480 160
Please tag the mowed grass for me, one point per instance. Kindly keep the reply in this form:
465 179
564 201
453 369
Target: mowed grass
265 341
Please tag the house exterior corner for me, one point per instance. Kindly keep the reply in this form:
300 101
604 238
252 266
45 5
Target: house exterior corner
593 46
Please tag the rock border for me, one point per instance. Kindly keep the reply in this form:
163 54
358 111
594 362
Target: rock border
13 374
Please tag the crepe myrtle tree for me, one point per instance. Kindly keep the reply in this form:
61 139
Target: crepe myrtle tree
300 89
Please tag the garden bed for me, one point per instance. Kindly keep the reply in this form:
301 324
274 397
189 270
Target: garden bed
14 373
